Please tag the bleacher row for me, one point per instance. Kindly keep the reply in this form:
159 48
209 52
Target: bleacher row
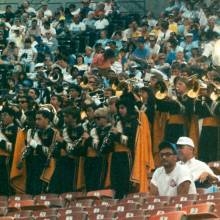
102 205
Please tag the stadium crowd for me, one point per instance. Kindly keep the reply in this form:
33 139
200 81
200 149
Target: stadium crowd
92 98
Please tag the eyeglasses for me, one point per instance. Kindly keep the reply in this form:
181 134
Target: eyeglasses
167 154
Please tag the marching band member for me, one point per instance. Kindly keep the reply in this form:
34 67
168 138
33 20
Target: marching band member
95 163
67 151
7 141
38 152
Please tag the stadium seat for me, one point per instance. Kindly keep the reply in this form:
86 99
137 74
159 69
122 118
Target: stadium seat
47 218
180 205
153 199
21 214
200 191
108 202
131 214
15 205
103 215
179 199
55 202
20 197
68 211
72 195
135 218
125 207
96 209
107 193
82 203
209 196
74 216
200 211
132 200
178 215
137 195
215 166
46 197
45 213
160 211
152 206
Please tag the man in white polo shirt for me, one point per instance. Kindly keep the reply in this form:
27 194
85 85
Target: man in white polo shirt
171 179
201 173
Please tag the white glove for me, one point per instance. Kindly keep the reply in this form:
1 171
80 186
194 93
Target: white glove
33 143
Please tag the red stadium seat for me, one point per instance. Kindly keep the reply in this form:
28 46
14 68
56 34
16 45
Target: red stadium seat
215 166
178 215
137 195
135 218
180 205
69 211
72 195
131 214
200 211
95 210
125 207
160 211
55 202
103 215
108 202
82 203
47 218
15 205
152 206
46 197
44 213
20 197
107 193
162 199
74 216
184 198
132 200
209 196
21 214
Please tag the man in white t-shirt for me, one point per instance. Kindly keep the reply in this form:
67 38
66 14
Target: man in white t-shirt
171 179
201 173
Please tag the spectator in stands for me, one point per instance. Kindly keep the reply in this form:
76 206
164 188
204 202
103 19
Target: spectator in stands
102 22
46 11
27 8
89 21
50 41
46 27
103 39
34 30
9 15
141 53
77 27
88 55
171 179
201 173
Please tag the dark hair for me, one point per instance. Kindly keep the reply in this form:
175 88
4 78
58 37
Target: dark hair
73 112
59 98
45 114
109 53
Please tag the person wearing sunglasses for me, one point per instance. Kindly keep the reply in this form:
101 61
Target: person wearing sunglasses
171 179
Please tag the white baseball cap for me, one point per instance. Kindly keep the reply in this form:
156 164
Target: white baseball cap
185 141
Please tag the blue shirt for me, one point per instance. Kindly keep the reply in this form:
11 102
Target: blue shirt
142 54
